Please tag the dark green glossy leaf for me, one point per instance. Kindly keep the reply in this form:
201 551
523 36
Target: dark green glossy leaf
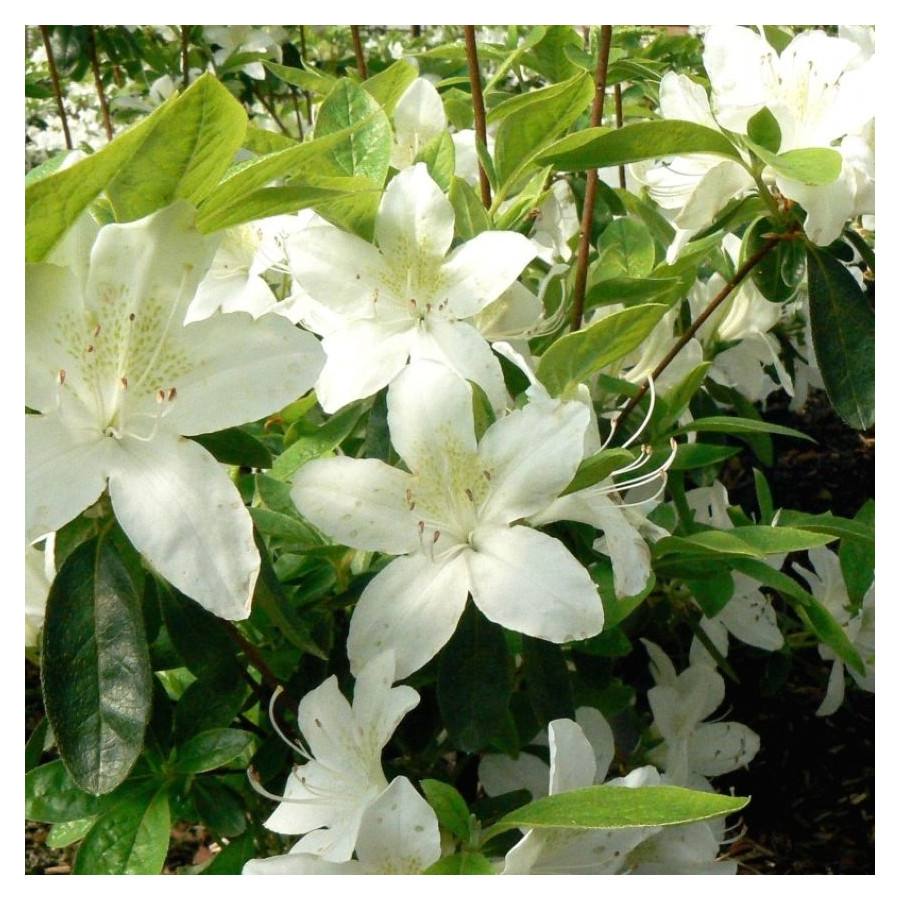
779 273
235 447
52 796
34 746
595 148
230 860
221 809
696 456
858 558
96 667
473 686
203 707
843 331
752 541
547 680
130 838
210 749
64 834
739 426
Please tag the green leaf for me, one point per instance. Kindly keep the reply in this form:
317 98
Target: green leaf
262 141
712 591
235 447
308 79
52 796
467 863
96 667
575 357
322 441
367 149
604 806
628 290
528 122
185 155
595 148
837 526
230 860
858 558
389 85
696 456
549 58
34 746
210 749
625 249
597 467
763 129
471 216
739 426
203 707
547 680
473 685
221 809
449 806
749 540
816 165
843 332
780 272
131 838
65 834
439 156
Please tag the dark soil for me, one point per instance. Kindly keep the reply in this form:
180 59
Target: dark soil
813 782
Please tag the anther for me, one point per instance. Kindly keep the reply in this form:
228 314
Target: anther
486 474
89 348
318 723
124 382
61 377
421 527
131 317
171 394
160 396
97 330
470 495
435 536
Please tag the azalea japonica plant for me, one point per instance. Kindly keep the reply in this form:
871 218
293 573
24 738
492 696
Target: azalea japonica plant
395 398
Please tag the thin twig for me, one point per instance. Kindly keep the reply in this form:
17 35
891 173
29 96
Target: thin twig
98 82
269 678
297 111
617 93
54 80
358 50
303 57
185 55
590 190
478 108
415 31
695 326
270 109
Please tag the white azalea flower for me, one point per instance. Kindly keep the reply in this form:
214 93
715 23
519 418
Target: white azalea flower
693 749
398 835
681 850
118 380
406 298
40 571
234 39
826 582
820 90
455 519
418 119
327 797
556 224
235 281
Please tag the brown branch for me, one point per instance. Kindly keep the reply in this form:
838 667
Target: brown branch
590 191
617 93
98 82
185 55
268 676
697 324
303 57
270 109
358 50
54 80
478 108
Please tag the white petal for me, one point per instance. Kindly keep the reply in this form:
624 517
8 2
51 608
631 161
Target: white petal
236 292
724 181
418 118
66 468
363 357
414 226
733 57
599 734
480 270
360 503
529 582
183 513
834 695
681 98
828 207
399 833
720 747
299 864
431 421
572 761
749 616
460 347
500 775
412 608
338 269
531 454
239 370
378 706
627 549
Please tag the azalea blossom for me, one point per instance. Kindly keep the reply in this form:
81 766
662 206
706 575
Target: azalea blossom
118 381
418 119
827 585
406 298
693 749
327 797
454 516
40 570
398 835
